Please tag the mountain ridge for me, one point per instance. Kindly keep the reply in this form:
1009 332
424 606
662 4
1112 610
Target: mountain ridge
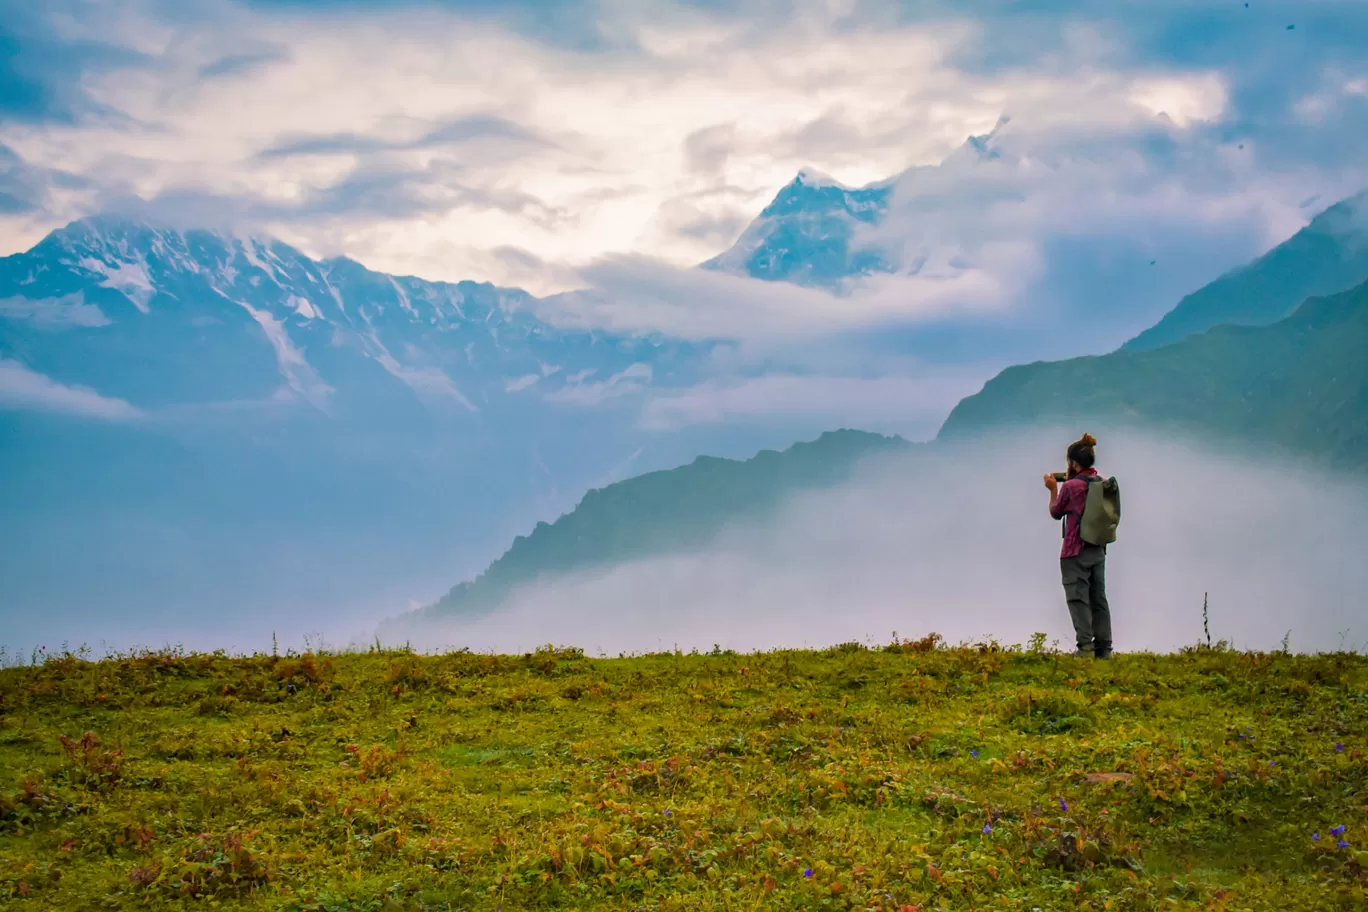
1325 256
1299 384
464 342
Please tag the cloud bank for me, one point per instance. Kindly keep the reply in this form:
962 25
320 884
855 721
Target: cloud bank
958 541
24 389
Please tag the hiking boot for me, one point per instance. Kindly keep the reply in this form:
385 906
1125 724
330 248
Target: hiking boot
1083 654
1104 655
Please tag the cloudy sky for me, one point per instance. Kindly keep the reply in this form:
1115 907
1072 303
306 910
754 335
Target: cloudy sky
524 142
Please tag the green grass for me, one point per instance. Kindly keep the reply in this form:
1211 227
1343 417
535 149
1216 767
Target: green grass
909 776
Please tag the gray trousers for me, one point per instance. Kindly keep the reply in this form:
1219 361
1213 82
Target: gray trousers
1085 587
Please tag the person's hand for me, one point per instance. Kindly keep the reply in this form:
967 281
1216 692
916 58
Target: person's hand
1050 481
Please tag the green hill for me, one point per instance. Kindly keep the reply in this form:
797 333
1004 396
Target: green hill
909 776
663 511
1300 384
1328 255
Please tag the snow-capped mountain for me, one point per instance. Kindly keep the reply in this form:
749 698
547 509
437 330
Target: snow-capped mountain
821 233
162 317
805 235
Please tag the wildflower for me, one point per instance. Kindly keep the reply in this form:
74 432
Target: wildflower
807 872
1063 805
1342 844
987 828
1272 762
668 812
1315 837
974 754
1337 831
1339 748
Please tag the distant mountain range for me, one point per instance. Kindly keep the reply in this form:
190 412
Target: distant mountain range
160 317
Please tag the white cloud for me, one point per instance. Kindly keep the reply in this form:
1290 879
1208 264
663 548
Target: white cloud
631 379
521 383
912 405
54 313
630 293
27 390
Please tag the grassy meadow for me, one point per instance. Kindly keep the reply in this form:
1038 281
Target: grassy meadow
913 776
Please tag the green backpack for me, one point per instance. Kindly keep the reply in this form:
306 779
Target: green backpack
1101 511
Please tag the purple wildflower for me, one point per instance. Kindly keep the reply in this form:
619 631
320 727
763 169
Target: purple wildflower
1063 805
1315 837
987 828
1342 844
1339 748
974 754
807 872
1337 831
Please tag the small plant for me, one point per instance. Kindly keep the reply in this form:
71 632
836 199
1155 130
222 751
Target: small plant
90 766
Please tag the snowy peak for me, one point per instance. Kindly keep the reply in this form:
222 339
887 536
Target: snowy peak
817 231
814 193
144 262
984 147
805 235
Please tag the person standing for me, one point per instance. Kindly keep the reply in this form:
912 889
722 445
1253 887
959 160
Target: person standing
1082 565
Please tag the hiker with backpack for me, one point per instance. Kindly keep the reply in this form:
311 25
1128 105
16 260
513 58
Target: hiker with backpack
1090 507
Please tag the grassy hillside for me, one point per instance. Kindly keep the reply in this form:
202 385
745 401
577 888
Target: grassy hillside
1328 255
663 511
1300 384
904 777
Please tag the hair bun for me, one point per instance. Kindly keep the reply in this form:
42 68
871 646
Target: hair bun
1088 440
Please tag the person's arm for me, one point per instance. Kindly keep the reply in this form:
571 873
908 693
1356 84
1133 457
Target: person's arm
1059 497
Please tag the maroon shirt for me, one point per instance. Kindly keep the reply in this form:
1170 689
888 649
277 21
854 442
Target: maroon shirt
1072 496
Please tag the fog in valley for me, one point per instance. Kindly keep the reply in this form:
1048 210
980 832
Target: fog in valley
957 540
951 539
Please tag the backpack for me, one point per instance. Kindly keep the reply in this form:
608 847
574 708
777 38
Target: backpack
1101 511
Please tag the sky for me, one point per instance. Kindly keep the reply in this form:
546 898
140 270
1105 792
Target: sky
562 143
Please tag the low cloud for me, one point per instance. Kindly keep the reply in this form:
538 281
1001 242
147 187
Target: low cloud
958 541
912 405
66 312
23 389
636 294
631 379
